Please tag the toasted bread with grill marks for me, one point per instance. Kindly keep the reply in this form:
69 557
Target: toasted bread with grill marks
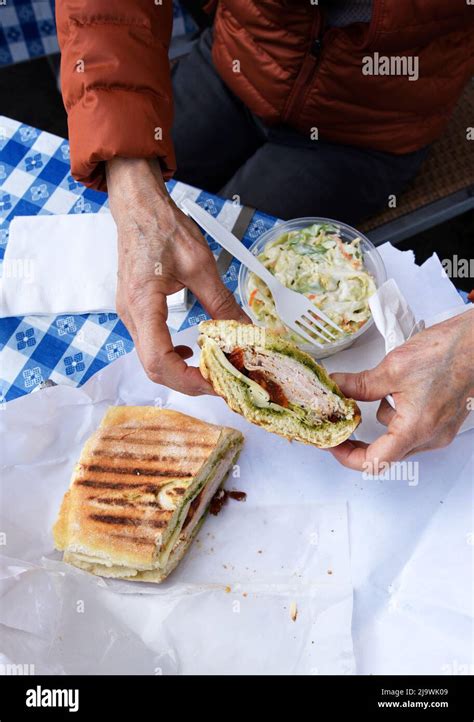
135 479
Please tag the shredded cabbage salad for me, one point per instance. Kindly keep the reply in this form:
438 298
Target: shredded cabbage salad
315 261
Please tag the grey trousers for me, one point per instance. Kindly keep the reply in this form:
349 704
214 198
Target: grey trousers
223 148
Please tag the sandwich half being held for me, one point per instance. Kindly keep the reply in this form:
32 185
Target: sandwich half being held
274 384
140 491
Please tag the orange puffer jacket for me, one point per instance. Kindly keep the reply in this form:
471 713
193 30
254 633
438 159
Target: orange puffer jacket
278 58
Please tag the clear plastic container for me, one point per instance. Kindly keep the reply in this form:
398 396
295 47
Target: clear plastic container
372 262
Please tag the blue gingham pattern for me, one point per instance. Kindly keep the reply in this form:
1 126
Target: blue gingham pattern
35 179
28 29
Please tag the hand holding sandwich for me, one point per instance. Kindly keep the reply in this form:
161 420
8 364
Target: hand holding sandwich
431 379
160 251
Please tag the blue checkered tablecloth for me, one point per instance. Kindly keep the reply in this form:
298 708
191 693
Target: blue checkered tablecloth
28 29
35 178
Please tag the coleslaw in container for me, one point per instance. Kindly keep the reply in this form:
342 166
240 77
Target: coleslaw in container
331 263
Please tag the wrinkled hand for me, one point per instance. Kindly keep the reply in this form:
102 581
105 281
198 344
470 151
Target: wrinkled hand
160 251
431 379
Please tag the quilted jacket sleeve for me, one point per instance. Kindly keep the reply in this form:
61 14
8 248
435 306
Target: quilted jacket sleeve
116 83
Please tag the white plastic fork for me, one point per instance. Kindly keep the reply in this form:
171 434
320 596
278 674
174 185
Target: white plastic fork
294 309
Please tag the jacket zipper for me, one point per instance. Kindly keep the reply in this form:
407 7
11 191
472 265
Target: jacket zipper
306 72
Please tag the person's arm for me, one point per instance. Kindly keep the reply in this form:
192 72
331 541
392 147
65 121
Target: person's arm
116 84
117 91
161 251
431 379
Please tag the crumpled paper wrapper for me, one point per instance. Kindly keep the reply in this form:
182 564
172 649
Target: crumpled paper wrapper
226 609
410 544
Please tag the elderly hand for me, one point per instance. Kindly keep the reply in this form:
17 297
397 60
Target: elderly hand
160 252
431 379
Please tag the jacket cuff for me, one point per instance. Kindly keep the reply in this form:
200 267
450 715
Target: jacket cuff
132 124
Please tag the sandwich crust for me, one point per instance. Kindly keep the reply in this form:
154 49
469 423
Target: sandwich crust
132 489
229 335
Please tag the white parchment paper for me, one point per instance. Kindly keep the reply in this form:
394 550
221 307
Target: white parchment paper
411 544
225 609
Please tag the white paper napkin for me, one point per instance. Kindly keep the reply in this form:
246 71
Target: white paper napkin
393 316
59 264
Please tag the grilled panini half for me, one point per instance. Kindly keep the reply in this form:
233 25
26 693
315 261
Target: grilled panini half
138 495
274 384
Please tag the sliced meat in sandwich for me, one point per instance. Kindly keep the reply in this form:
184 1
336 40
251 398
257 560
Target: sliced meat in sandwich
274 384
140 491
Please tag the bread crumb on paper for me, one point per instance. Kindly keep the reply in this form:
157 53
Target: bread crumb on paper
293 611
